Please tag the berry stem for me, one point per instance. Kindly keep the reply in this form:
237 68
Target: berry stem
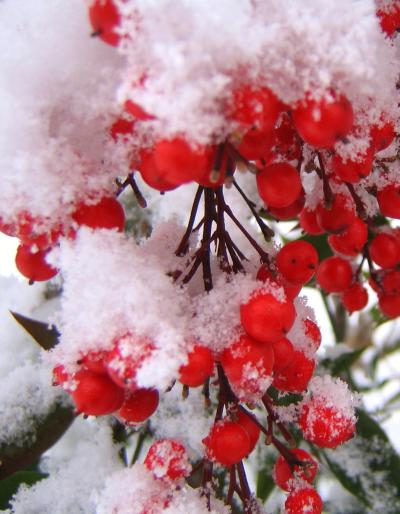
184 244
267 232
328 195
357 200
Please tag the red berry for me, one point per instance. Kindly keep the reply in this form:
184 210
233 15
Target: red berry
179 162
122 127
389 18
126 358
389 201
353 171
253 431
312 331
139 405
355 298
391 282
283 354
35 231
323 122
309 222
351 241
256 144
334 275
297 261
279 184
384 250
96 394
390 305
286 142
105 19
168 459
60 375
338 217
324 424
95 361
34 265
137 111
284 475
383 135
200 366
304 501
265 275
248 367
267 319
290 211
258 108
296 376
151 175
107 213
227 443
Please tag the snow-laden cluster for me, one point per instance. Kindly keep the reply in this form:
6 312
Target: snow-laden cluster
129 290
61 90
202 50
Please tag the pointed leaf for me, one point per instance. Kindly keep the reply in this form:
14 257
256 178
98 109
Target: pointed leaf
14 457
45 335
9 486
368 467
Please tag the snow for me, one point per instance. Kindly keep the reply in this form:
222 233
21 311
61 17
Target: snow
75 477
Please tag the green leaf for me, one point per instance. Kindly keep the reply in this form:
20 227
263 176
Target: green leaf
265 484
368 466
15 457
283 399
45 335
9 486
343 362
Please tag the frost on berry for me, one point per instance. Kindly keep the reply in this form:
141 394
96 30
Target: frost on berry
288 474
167 459
248 366
327 415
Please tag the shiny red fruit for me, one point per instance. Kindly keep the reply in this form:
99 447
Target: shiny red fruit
200 366
139 405
304 501
321 123
96 394
334 275
297 261
105 19
285 476
107 213
267 319
227 443
279 184
33 265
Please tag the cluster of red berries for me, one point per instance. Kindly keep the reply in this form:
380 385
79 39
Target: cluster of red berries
37 240
105 382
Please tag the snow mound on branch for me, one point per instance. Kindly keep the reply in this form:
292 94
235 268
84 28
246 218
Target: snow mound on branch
126 290
184 57
75 478
54 88
130 491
